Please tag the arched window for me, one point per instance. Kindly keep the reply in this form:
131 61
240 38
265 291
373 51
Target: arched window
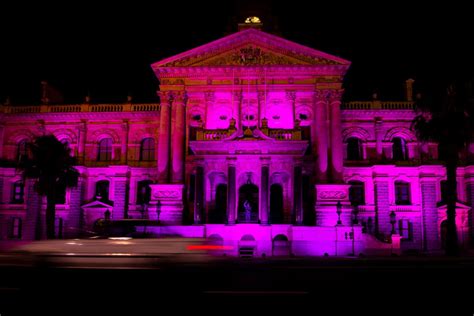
402 193
143 192
22 150
105 150
354 149
399 149
102 190
147 149
18 192
357 193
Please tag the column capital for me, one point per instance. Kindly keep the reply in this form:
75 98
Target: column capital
261 96
335 96
265 161
199 162
291 95
166 97
298 161
180 97
321 95
231 161
238 95
209 96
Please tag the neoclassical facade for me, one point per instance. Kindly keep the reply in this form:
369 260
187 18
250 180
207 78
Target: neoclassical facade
251 147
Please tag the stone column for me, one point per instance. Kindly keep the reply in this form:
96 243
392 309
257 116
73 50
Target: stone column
177 138
32 230
124 145
261 103
199 197
238 98
291 97
81 146
321 136
430 214
382 205
378 137
231 189
298 193
164 137
75 217
337 155
264 211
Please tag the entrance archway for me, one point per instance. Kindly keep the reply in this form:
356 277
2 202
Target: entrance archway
248 204
276 204
281 245
217 216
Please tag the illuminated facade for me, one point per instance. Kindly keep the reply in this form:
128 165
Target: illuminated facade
251 147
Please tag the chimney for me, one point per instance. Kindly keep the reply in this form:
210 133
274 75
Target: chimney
409 89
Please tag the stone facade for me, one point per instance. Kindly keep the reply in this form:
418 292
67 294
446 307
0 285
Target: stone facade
251 146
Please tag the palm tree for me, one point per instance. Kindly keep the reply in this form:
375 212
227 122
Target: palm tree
448 120
52 165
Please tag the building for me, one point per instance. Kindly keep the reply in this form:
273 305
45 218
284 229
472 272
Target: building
251 147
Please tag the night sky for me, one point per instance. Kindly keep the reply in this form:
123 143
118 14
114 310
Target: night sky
107 50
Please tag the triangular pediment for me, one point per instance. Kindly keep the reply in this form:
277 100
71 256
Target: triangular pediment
251 47
96 204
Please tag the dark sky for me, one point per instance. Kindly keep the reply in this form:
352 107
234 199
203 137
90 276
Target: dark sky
107 50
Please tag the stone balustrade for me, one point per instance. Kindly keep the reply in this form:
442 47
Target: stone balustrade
383 105
70 108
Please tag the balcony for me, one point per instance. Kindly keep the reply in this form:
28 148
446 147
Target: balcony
265 133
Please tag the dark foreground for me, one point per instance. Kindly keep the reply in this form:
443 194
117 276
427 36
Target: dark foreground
324 286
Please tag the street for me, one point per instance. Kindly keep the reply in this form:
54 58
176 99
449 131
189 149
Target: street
326 286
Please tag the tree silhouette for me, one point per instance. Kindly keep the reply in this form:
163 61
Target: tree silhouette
50 163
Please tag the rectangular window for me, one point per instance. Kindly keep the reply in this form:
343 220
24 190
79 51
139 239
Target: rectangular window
402 193
18 192
15 228
405 227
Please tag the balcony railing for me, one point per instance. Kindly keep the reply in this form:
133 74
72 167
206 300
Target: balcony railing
381 105
220 134
70 108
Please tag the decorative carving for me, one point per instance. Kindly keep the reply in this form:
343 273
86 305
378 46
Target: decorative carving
336 95
250 55
167 194
332 195
291 95
209 96
165 97
180 97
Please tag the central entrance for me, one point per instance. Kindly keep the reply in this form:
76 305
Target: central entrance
248 204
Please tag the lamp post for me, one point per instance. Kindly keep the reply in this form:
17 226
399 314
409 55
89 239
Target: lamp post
339 211
354 221
392 222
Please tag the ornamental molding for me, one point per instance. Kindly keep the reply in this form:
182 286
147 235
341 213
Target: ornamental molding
332 195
